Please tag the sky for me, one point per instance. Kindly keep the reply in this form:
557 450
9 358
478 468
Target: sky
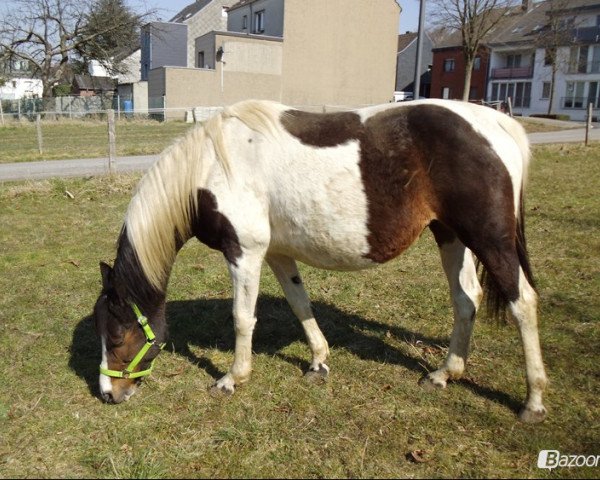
409 18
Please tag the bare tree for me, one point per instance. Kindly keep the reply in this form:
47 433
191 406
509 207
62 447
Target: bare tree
50 33
474 19
557 33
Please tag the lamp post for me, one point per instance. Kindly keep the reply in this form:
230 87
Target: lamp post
421 34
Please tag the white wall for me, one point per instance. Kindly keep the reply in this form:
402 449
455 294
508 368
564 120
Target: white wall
17 88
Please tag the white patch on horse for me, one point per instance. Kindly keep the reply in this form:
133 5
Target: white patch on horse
105 382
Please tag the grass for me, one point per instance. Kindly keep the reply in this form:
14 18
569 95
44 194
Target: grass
73 139
386 328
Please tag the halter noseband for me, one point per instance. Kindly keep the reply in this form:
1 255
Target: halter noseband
150 341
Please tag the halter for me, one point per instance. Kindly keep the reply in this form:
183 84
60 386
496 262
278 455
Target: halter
150 341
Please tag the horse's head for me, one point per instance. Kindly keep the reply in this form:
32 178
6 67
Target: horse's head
129 342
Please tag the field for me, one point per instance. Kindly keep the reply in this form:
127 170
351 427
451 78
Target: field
386 328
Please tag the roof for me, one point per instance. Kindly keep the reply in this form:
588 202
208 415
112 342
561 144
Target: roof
519 25
85 82
239 4
190 11
405 40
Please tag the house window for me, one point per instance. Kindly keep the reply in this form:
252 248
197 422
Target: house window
449 65
578 59
200 60
473 93
546 88
477 63
245 22
259 22
513 61
549 55
574 95
446 92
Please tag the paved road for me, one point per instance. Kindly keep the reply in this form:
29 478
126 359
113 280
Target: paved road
99 166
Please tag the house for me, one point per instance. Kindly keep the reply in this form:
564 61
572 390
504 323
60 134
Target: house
19 81
521 67
516 60
87 86
172 43
405 63
299 52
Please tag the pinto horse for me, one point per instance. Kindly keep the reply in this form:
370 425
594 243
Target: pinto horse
344 191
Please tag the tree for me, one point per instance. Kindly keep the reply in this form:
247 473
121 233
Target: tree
50 33
474 19
555 34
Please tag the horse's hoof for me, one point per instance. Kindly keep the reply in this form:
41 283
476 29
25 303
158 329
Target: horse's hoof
317 375
528 415
431 383
217 391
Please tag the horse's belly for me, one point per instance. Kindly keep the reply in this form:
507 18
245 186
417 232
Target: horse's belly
322 221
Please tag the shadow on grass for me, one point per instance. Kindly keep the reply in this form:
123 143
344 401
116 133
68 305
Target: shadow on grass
209 324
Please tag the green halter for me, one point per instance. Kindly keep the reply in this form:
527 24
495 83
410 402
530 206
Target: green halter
150 341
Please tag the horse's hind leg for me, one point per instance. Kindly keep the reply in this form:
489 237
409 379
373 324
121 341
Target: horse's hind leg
245 275
286 271
466 293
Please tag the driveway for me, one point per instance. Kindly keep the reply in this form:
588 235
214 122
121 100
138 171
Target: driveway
99 166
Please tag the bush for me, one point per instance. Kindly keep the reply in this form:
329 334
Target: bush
553 116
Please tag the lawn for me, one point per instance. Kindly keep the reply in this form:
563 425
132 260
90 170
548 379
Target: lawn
386 327
72 139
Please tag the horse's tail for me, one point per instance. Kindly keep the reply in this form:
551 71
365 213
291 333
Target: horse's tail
496 302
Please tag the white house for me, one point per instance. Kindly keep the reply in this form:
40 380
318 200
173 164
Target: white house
520 68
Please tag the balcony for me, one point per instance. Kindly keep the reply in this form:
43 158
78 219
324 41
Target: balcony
584 67
509 73
586 35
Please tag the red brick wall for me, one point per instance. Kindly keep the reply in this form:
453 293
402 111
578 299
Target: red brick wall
455 79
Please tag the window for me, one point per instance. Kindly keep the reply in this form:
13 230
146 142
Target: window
519 93
446 92
477 63
513 61
200 60
449 65
473 93
578 59
574 95
549 56
259 22
546 87
245 22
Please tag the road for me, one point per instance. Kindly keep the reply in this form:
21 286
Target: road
99 166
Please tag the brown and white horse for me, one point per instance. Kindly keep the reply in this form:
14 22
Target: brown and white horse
344 191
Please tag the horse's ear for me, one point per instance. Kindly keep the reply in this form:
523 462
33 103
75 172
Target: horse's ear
106 271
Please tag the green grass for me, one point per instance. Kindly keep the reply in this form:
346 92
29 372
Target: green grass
386 328
75 139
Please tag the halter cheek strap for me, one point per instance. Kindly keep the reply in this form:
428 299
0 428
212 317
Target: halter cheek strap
150 341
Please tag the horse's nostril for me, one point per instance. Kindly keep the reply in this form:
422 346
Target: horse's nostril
108 398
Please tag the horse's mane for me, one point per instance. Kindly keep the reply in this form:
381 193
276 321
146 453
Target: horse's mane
160 213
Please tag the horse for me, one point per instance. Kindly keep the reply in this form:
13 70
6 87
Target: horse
349 190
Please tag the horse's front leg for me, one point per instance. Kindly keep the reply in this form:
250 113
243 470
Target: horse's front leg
245 275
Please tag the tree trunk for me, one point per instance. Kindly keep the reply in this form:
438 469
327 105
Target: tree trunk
467 86
552 83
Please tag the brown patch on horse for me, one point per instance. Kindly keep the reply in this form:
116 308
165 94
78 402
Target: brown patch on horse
214 229
322 129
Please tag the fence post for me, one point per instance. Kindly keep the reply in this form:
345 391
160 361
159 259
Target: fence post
510 111
112 148
1 112
19 109
589 122
40 139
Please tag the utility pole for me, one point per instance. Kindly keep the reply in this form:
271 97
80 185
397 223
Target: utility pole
421 35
